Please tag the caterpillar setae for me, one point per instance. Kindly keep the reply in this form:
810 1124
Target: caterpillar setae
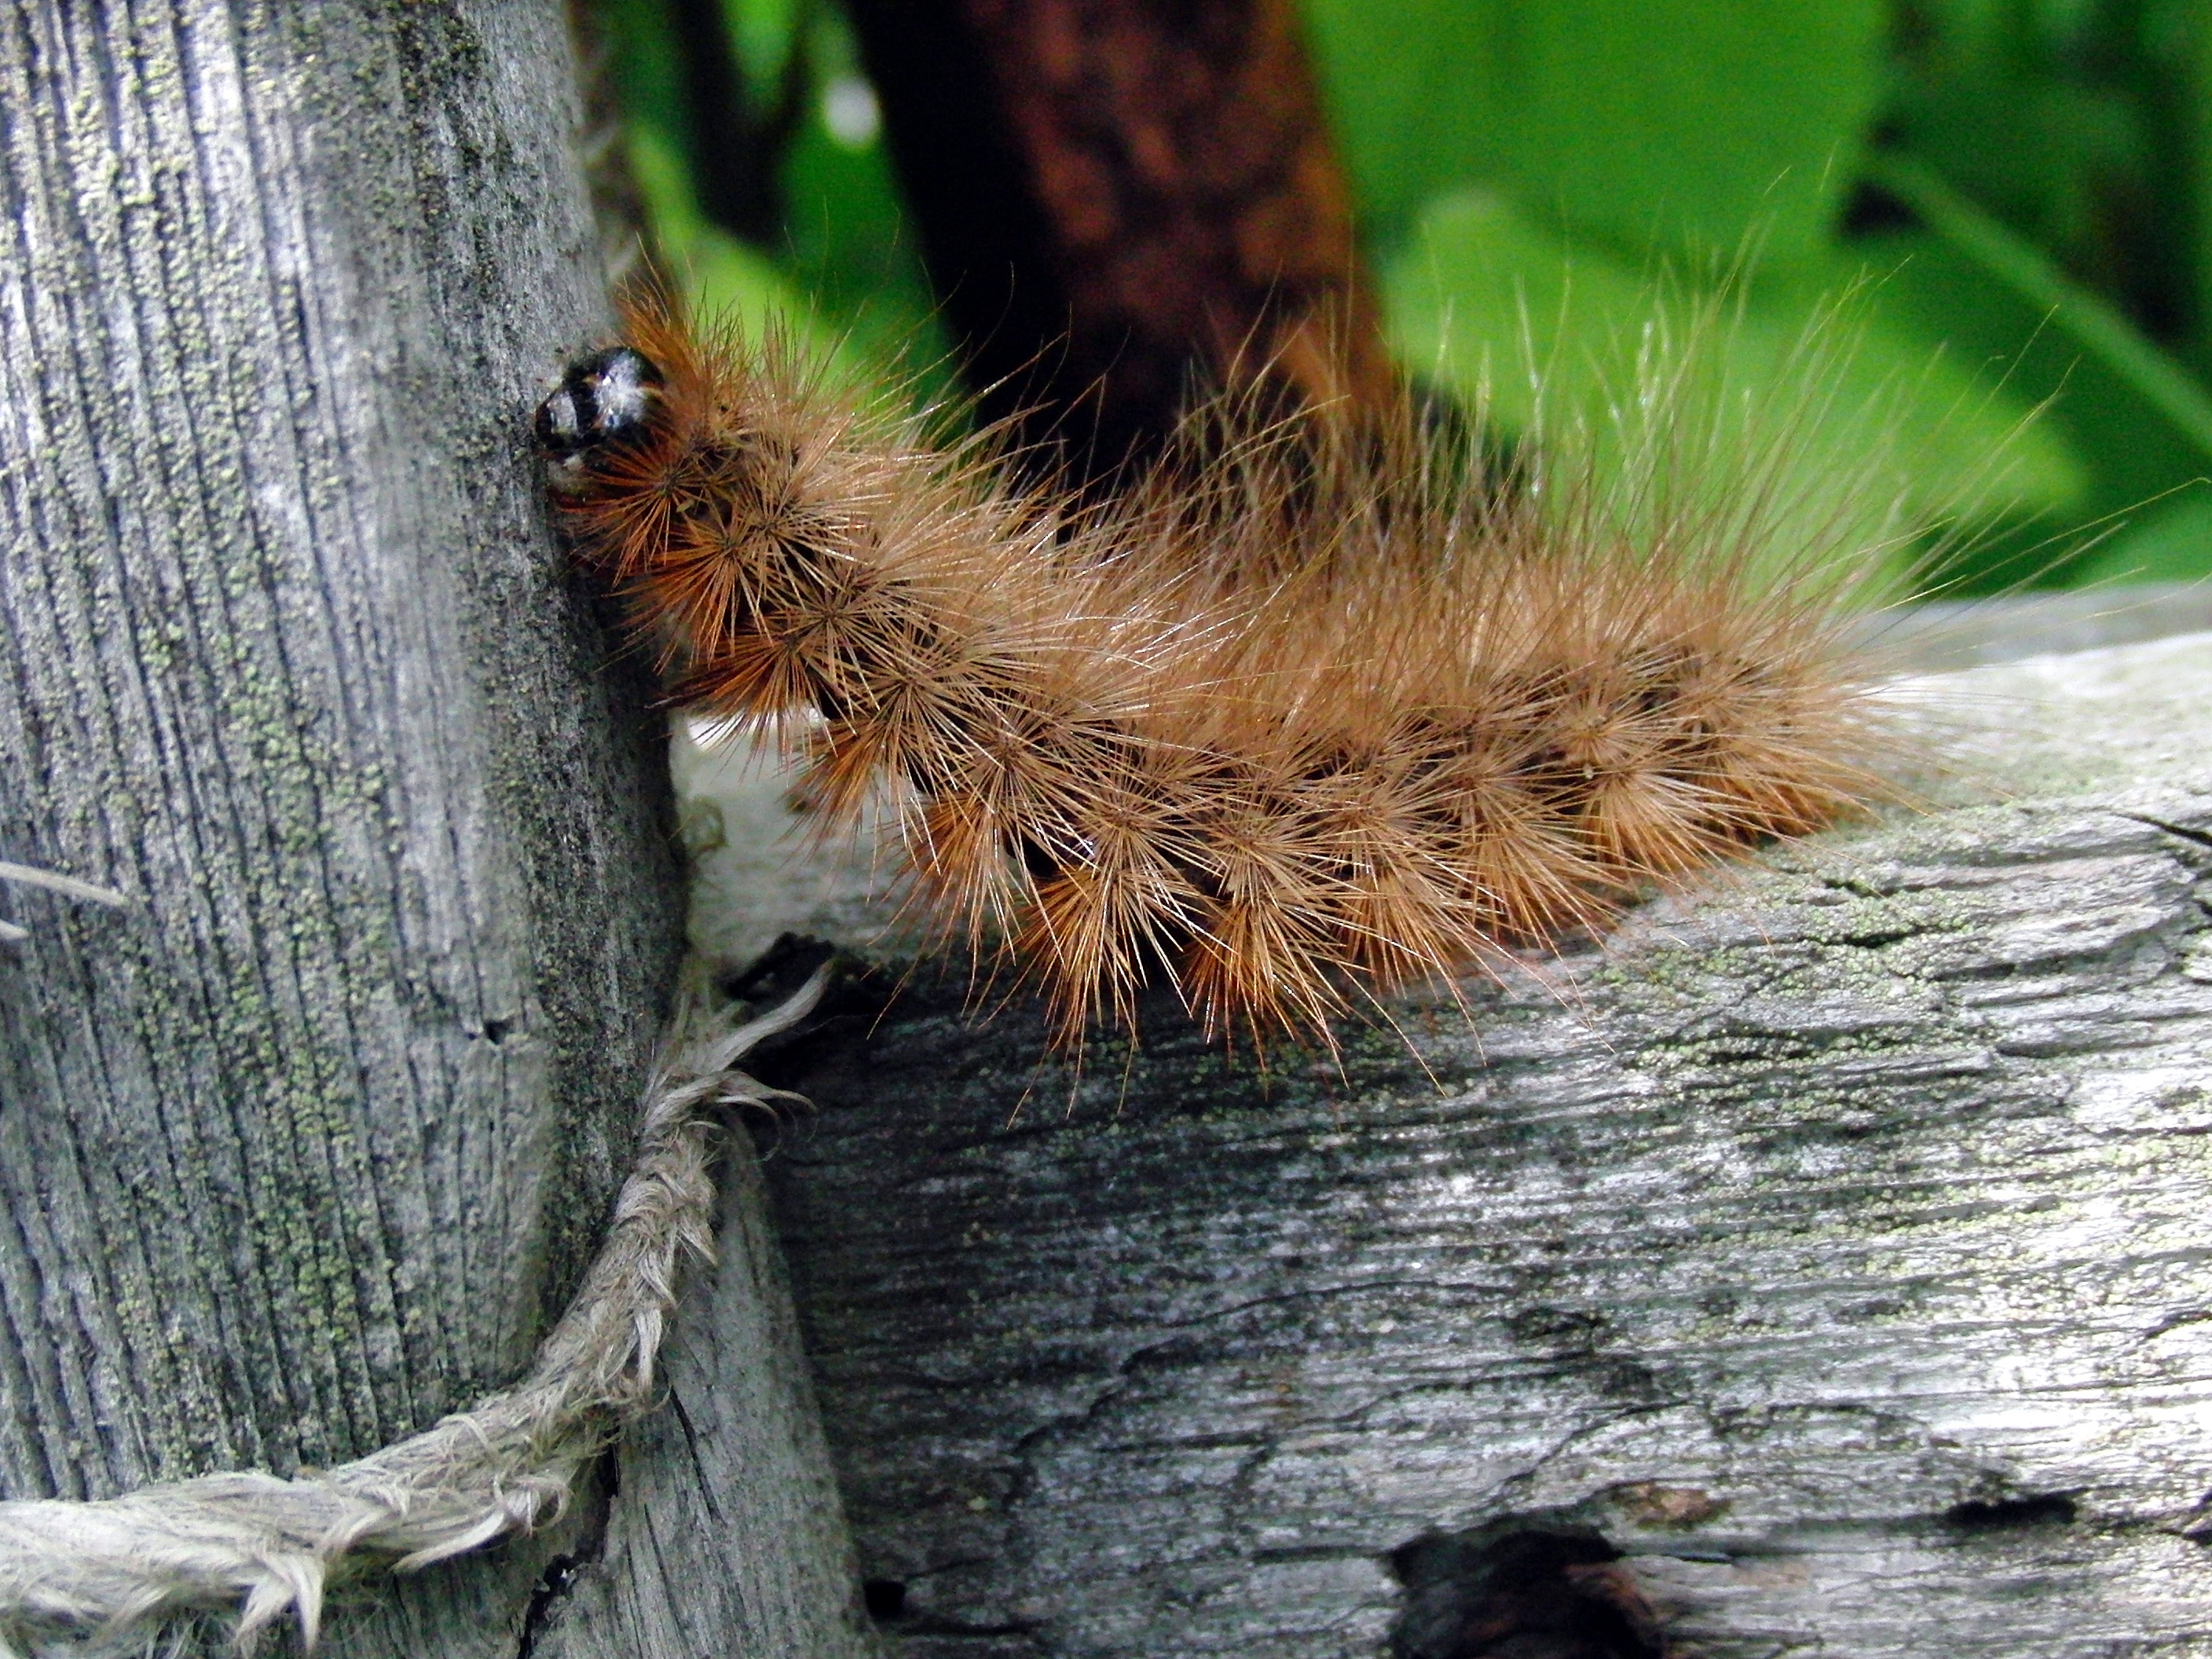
1310 711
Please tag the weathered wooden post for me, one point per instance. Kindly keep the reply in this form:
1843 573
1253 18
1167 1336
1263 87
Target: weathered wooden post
305 1148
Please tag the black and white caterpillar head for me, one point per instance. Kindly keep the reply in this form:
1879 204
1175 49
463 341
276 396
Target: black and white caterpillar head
605 401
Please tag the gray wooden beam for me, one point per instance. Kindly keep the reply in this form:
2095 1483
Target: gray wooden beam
1836 1241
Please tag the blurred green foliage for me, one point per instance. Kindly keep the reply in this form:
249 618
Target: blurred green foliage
841 269
1630 123
2018 193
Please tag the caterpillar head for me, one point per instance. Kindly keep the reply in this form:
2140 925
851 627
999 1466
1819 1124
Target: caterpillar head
603 401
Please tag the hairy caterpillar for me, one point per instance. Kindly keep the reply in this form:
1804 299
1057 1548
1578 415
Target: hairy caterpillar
1310 712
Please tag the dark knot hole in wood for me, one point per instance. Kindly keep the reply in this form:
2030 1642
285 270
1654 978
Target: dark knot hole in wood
1518 1588
884 1599
2046 1508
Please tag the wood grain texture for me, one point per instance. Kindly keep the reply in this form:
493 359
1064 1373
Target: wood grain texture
303 1150
725 1536
1836 1245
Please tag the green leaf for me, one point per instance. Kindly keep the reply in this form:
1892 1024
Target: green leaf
1542 335
765 33
2132 455
718 276
2170 541
644 63
846 282
1486 303
1415 89
1709 122
2093 324
847 242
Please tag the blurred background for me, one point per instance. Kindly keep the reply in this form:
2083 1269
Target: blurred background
1076 206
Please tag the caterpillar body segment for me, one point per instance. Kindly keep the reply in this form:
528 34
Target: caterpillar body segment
1303 716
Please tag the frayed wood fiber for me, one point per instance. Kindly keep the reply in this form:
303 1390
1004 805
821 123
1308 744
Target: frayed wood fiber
266 1547
1315 710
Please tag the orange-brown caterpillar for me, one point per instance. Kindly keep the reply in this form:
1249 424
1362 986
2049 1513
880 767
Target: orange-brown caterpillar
1308 714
